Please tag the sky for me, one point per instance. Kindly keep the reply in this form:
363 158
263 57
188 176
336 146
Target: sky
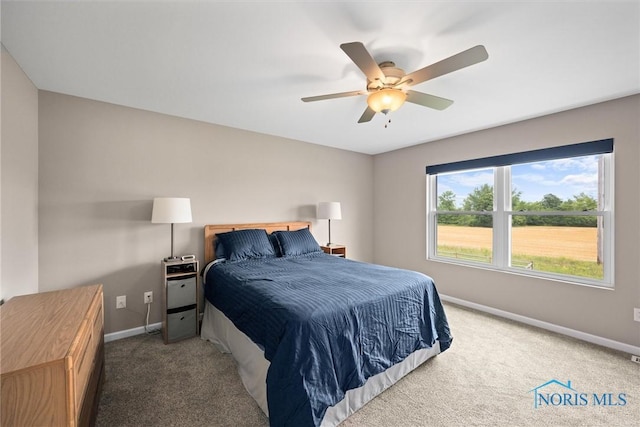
563 178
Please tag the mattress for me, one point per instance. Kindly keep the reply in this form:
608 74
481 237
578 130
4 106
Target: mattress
252 367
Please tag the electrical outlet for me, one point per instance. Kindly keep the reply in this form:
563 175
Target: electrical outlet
121 301
148 297
636 314
635 358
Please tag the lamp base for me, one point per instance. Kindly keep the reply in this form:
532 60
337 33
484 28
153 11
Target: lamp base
172 258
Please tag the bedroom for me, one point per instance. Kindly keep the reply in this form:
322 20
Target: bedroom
76 213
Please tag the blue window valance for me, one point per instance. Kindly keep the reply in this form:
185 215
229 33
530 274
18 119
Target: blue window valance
602 146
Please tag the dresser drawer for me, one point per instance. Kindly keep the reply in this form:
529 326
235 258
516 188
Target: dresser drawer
81 360
181 324
98 325
181 291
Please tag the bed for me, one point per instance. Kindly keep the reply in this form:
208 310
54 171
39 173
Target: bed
315 336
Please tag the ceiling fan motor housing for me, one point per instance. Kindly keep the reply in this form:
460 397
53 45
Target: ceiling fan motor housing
393 75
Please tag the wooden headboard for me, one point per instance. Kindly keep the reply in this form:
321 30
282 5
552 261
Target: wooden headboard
210 232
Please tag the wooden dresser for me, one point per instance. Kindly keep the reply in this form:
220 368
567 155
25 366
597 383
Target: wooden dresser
52 358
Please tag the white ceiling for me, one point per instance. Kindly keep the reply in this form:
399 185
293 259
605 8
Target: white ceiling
247 64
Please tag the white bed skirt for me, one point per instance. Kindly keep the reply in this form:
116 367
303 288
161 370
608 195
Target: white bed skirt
252 367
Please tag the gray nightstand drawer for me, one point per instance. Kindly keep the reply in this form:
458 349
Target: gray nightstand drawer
181 292
181 325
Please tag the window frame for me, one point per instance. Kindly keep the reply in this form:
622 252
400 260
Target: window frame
501 214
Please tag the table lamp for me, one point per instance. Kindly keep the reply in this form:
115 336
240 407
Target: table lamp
329 210
171 210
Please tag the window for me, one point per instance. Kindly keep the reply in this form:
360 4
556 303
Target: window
545 213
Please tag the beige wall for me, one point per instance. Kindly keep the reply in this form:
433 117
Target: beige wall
19 182
101 165
400 220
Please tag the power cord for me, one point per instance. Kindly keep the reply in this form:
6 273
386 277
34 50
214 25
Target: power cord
146 325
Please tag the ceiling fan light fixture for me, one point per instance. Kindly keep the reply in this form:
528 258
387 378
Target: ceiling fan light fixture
386 100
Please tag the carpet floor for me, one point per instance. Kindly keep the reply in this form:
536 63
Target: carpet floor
486 378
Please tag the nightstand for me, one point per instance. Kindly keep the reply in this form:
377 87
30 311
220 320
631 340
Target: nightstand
180 311
337 250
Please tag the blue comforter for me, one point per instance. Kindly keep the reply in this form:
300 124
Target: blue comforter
326 324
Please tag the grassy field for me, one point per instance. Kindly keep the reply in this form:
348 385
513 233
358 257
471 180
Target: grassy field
574 242
564 250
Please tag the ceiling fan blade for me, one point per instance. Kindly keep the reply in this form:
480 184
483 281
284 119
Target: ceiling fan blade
367 115
334 95
453 63
427 100
363 59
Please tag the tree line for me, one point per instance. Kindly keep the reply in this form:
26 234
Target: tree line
481 200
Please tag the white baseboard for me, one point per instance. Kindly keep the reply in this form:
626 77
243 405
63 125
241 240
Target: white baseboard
135 331
594 339
130 332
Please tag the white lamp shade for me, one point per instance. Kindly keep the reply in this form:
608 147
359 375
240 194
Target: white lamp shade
171 210
329 210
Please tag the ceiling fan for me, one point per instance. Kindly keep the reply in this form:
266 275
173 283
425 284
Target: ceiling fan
387 85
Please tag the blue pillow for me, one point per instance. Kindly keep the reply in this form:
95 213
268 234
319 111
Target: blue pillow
246 244
299 242
219 249
276 245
